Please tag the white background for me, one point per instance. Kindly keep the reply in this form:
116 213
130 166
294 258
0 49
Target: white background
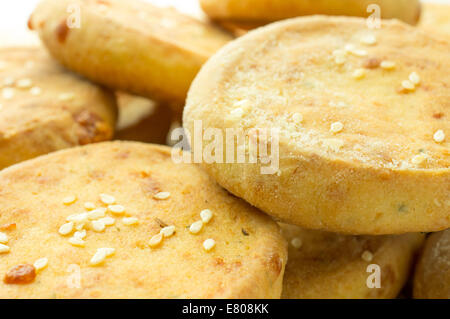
14 16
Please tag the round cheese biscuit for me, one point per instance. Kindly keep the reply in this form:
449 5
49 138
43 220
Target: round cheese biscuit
128 45
432 275
325 265
272 10
122 220
44 108
354 124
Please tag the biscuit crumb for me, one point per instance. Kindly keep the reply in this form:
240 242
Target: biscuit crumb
20 274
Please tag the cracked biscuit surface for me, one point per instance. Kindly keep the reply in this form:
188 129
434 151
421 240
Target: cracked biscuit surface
131 234
44 108
363 120
128 45
333 266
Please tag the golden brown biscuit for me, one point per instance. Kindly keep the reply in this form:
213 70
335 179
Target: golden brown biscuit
273 10
44 108
324 265
128 45
363 119
39 196
432 277
436 18
142 120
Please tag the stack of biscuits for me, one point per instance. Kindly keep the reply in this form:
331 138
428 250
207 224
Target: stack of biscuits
313 159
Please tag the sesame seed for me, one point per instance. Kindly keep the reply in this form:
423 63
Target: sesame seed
339 60
162 195
89 205
3 238
41 263
96 213
297 117
8 93
439 136
414 78
168 231
116 209
35 90
100 255
24 83
107 199
367 256
369 39
98 225
206 215
130 220
69 200
387 65
108 221
2 65
76 241
155 240
407 84
80 226
4 249
339 52
336 127
78 218
66 228
80 234
349 48
66 96
196 227
237 113
360 52
419 159
359 74
209 244
296 242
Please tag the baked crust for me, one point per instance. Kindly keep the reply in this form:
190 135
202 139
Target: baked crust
129 45
247 261
384 172
46 108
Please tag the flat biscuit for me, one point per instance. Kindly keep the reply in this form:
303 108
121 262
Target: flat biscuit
142 120
37 196
436 18
324 265
44 108
273 10
432 275
128 45
363 120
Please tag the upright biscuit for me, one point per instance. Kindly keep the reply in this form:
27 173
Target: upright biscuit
325 265
44 108
362 119
273 10
432 277
121 220
128 45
